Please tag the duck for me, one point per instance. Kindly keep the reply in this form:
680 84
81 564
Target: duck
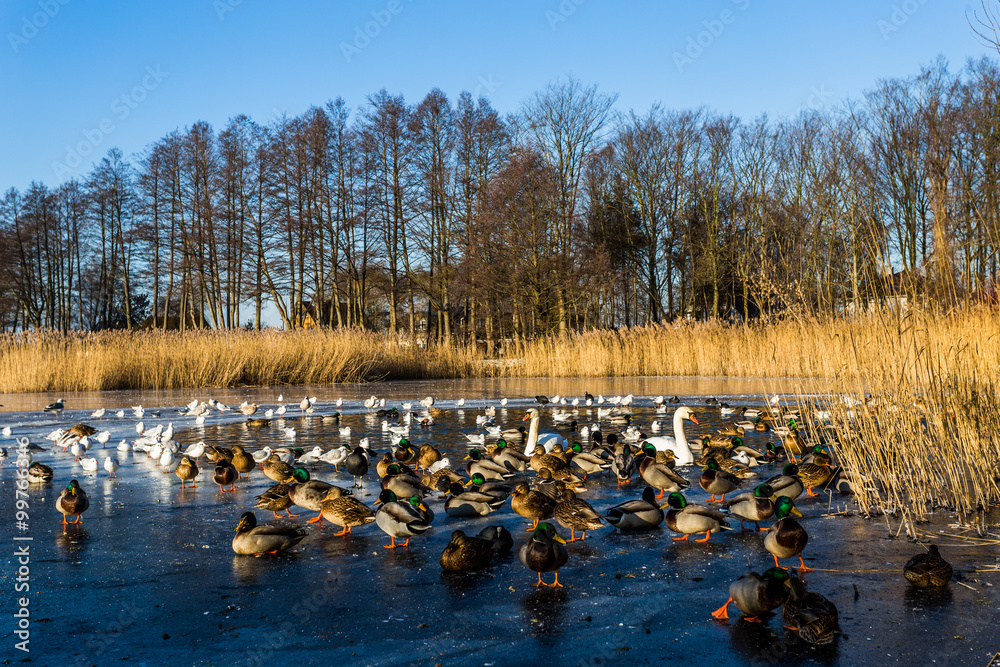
478 483
508 457
39 473
276 500
641 514
755 506
716 481
786 538
585 462
814 474
658 475
399 519
463 503
928 570
788 483
576 514
309 493
442 479
540 459
72 501
688 519
677 444
255 540
544 552
187 469
278 470
624 465
812 617
541 441
466 553
531 504
345 511
427 456
242 462
756 594
486 467
402 484
225 473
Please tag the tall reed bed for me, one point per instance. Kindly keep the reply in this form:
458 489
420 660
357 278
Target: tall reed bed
171 360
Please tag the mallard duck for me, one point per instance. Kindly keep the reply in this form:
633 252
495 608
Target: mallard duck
309 493
403 485
531 504
788 483
774 453
242 461
72 501
810 615
641 514
405 453
587 463
215 453
427 457
756 506
716 481
258 423
442 480
623 465
541 460
756 594
39 473
225 473
81 430
688 519
508 457
786 538
486 467
818 455
466 553
576 514
544 552
251 539
499 491
462 503
793 443
547 484
399 519
657 475
277 469
928 570
814 474
345 511
276 500
186 470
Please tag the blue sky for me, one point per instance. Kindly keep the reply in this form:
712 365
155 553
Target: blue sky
93 75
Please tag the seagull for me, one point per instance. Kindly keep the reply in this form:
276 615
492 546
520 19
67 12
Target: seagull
503 402
120 414
304 404
262 455
103 438
97 414
289 433
460 402
111 465
6 431
345 431
427 402
168 434
124 446
281 398
196 450
89 464
140 428
138 411
335 456
54 407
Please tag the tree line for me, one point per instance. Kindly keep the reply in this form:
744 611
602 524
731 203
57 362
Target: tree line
448 220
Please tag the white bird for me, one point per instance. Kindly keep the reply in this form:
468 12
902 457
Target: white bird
124 446
103 438
494 431
503 402
438 465
195 451
89 464
727 410
56 435
222 407
310 457
285 455
84 442
345 431
140 428
335 456
262 455
363 443
269 413
98 413
536 439
199 420
576 402
120 414
138 411
476 438
281 398
54 407
111 465
679 443
168 434
304 403
76 450
460 402
427 402
166 459
155 452
631 434
6 431
212 402
562 417
400 430
600 399
340 402
407 406
289 432
248 409
281 410
656 425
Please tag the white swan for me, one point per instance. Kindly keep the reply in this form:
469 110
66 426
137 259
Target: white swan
677 444
545 440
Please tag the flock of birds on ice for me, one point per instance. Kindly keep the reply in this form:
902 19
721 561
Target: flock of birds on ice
542 476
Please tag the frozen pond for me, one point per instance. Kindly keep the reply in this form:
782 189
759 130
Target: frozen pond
149 577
